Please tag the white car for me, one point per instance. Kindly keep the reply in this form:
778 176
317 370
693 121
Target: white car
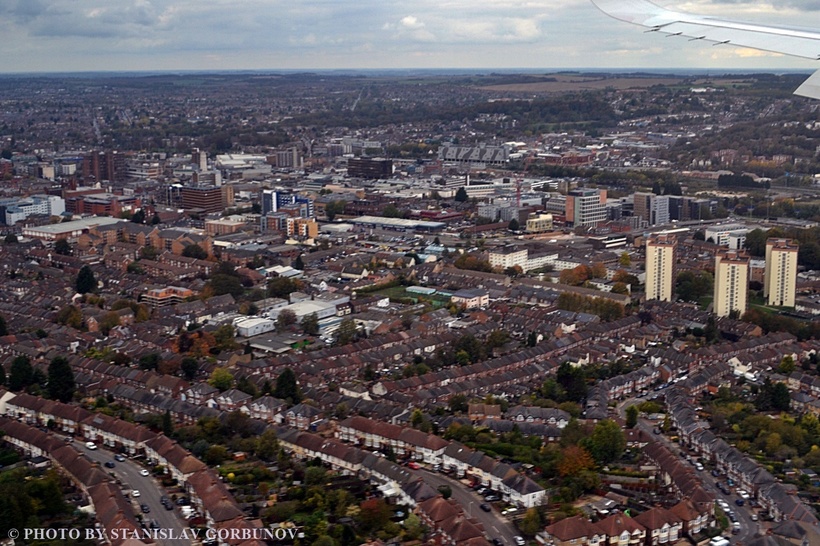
144 472
520 541
135 493
91 445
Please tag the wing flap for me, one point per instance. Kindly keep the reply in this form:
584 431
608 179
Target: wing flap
788 41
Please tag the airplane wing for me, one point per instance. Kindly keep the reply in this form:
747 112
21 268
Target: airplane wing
788 41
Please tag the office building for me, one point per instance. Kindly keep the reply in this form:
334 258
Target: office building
731 282
719 234
369 168
199 158
780 276
20 209
100 166
276 200
652 209
206 198
660 266
586 207
539 222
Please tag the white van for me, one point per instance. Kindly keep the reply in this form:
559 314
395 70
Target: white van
719 541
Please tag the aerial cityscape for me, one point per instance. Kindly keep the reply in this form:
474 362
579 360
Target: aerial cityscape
403 304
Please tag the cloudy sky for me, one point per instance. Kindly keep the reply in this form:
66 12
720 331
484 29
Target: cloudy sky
81 35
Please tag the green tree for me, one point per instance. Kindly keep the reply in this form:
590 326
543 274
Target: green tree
221 379
224 337
458 403
531 523
215 455
189 367
346 332
287 387
70 315
10 239
334 208
138 217
194 251
461 195
219 285
285 319
631 416
282 287
298 263
310 324
86 282
62 247
513 225
61 384
167 424
21 374
756 242
625 260
787 365
607 442
150 361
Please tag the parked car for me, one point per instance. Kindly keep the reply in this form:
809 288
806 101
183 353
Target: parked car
414 465
91 445
109 464
119 457
492 498
145 508
519 541
144 472
486 507
740 502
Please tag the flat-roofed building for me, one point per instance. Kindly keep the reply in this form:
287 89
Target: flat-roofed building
731 282
780 276
660 266
538 223
163 297
586 207
509 256
68 230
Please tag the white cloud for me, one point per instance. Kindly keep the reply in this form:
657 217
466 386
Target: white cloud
123 34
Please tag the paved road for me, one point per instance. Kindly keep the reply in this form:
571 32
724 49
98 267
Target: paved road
748 528
128 472
495 525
